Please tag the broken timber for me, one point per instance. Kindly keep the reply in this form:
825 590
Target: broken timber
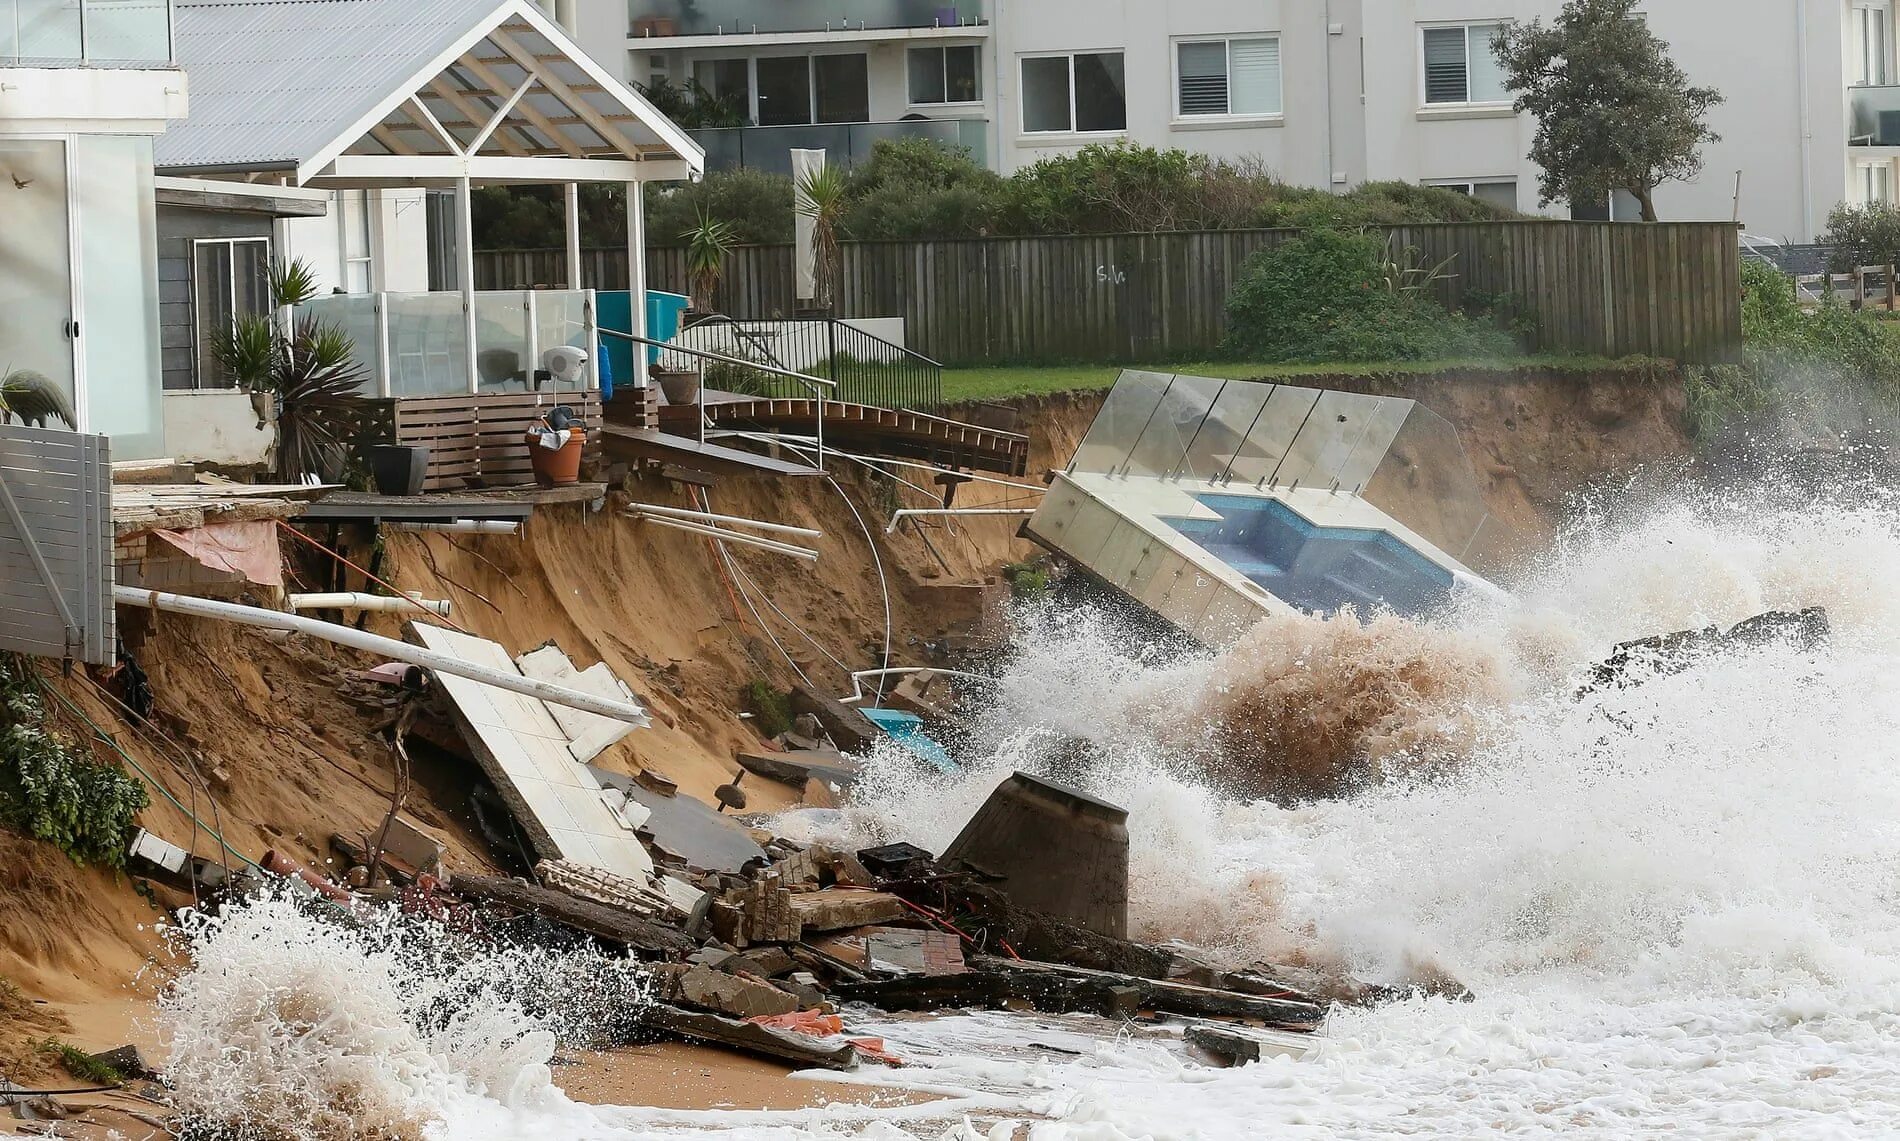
609 923
750 1037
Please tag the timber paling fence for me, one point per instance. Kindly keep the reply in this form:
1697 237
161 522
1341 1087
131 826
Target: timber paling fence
1662 289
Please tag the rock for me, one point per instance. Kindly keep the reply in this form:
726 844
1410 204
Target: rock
127 1061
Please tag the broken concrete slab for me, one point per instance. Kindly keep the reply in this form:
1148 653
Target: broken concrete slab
685 827
903 950
750 1037
597 919
709 988
759 912
836 909
613 890
848 728
587 733
1239 1045
797 767
1055 850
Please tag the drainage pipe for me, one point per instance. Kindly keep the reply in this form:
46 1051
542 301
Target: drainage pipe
913 512
723 535
465 527
377 644
355 600
709 517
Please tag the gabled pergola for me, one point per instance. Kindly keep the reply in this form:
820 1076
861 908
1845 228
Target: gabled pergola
370 94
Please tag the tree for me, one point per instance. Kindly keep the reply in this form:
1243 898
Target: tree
1614 112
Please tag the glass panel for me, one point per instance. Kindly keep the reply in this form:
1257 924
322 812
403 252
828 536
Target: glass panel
1226 428
1204 79
962 71
118 252
1099 101
36 285
355 315
561 319
1331 433
211 309
727 80
250 271
1255 65
1427 483
1273 433
427 349
926 75
1175 424
842 87
40 30
1380 428
1875 112
1046 93
1487 78
1497 193
1445 65
1120 422
501 342
727 17
784 90
127 31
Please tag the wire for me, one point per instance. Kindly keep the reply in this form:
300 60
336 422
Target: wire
9 1093
705 503
767 599
883 583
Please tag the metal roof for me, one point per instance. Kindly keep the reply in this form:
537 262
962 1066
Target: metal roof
283 84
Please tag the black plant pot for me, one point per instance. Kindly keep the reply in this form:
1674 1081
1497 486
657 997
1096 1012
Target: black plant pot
398 469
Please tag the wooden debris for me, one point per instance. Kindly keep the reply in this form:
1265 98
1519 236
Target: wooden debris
599 920
750 1037
623 892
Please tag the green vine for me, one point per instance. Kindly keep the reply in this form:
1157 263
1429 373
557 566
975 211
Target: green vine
53 791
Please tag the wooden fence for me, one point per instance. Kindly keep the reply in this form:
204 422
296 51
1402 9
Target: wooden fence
1670 289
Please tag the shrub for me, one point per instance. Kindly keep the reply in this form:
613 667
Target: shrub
1328 295
50 790
918 187
771 710
757 205
1862 235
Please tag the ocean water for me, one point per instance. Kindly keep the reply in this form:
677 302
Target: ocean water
1676 903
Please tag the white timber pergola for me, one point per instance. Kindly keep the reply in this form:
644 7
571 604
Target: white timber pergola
374 94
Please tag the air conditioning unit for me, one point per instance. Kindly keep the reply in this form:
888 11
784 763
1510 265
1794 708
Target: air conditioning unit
566 365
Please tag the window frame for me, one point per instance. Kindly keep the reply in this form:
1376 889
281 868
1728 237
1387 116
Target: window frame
811 84
1864 55
1865 181
1424 93
199 349
1469 186
945 50
1072 132
1182 118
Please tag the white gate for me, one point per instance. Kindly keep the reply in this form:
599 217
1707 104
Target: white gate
56 544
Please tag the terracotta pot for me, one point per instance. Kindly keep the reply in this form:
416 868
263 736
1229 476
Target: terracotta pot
557 467
680 387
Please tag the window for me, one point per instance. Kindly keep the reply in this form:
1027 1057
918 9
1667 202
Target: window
354 211
795 90
1496 191
946 75
1876 182
1459 66
727 80
1873 43
1227 77
230 279
1082 92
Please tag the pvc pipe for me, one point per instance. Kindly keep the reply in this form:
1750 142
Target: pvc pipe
465 527
709 517
773 545
912 512
377 644
355 600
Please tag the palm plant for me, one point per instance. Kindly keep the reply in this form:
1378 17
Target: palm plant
821 197
707 244
307 367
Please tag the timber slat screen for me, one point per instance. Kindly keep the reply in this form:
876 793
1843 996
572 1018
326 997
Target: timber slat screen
480 440
1663 289
56 572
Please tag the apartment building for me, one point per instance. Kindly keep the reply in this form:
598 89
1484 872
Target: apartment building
1328 93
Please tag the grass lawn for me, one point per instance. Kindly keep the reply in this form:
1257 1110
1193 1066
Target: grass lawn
968 384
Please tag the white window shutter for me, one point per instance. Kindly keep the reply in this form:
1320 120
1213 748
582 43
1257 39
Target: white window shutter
1445 79
1255 80
1203 79
1487 78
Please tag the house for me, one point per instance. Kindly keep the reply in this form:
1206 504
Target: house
85 87
318 130
1327 93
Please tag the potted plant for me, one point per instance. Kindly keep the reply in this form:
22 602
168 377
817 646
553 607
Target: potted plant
677 377
708 241
302 368
821 197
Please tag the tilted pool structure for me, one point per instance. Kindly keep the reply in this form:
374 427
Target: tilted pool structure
1212 502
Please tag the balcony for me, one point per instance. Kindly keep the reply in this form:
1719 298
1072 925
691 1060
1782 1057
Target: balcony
86 33
758 19
770 148
1873 116
412 345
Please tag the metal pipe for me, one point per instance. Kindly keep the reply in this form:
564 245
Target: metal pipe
772 545
710 517
912 512
357 600
465 527
377 644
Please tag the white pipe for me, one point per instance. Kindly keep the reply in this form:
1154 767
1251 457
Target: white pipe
377 644
857 678
710 517
912 512
465 527
356 600
1806 119
734 537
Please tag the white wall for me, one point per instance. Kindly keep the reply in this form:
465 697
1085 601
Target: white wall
399 241
216 426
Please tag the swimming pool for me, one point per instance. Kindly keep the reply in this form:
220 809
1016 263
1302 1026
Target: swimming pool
1315 568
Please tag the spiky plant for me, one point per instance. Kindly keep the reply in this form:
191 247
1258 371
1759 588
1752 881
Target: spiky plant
822 196
707 244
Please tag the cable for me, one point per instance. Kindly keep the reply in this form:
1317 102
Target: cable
705 504
10 1093
767 599
882 582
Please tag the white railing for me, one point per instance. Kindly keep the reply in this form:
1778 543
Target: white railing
86 33
417 344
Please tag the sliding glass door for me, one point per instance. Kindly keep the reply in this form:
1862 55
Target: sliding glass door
36 275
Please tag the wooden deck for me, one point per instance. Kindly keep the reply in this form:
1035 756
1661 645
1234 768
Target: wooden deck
652 446
435 507
864 428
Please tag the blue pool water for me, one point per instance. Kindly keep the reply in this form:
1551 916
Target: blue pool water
1315 568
